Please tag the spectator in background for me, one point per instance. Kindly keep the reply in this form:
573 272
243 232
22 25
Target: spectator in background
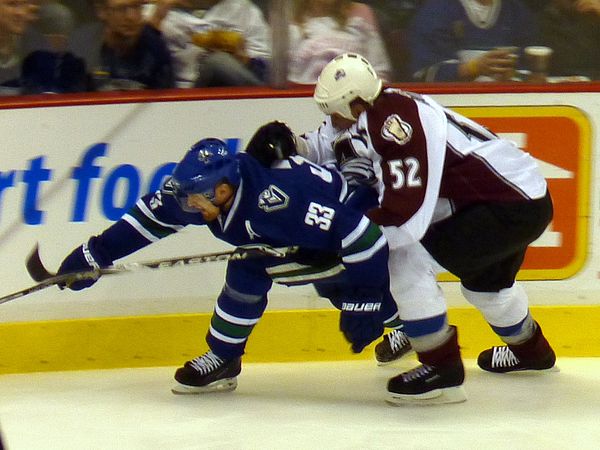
15 17
178 21
393 17
130 54
55 23
49 67
82 10
323 29
572 29
215 42
462 40
85 40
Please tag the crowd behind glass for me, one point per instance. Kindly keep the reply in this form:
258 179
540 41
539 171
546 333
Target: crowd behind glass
98 45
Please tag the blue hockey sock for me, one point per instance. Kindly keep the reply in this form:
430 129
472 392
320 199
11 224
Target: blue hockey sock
232 322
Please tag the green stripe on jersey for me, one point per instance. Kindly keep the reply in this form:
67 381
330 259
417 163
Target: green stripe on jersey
367 240
150 225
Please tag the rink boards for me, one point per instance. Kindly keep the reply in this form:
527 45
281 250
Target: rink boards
70 167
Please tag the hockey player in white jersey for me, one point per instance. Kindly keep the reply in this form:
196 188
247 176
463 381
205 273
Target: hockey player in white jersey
242 202
452 195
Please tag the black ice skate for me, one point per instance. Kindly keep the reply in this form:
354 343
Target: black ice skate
207 373
534 354
393 347
438 380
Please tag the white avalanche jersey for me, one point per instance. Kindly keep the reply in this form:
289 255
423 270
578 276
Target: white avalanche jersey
431 161
318 146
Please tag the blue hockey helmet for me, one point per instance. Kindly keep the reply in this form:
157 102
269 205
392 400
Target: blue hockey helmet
206 164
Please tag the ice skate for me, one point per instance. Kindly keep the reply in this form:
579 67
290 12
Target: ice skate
207 373
533 354
437 380
428 385
393 347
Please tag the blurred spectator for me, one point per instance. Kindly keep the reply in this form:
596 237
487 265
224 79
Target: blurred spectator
83 10
124 53
55 23
572 29
85 40
215 42
178 21
323 29
465 40
46 71
393 17
15 17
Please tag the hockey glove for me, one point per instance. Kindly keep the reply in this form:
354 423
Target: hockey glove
361 317
358 171
87 256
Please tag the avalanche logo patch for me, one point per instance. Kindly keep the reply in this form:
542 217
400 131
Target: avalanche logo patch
396 130
273 199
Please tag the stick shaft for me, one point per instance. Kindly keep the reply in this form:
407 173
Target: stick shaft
46 279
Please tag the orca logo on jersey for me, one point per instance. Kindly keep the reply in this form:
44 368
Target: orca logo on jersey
273 199
396 130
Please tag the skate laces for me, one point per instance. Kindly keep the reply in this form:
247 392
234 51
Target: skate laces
206 363
417 372
503 357
397 339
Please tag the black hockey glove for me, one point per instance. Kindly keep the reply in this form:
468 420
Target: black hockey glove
361 317
87 256
272 142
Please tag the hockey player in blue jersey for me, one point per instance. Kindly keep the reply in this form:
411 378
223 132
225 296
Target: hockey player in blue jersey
295 203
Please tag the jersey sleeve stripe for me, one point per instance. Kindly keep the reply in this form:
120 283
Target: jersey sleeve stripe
366 254
149 224
356 233
139 228
369 235
144 209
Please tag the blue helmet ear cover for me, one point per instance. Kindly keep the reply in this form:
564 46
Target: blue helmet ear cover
206 164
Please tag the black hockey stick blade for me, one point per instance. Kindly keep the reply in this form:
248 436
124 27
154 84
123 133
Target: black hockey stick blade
35 267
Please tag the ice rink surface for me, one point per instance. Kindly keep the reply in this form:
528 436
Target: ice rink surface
333 405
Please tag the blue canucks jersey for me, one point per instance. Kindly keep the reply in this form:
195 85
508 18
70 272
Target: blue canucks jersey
295 203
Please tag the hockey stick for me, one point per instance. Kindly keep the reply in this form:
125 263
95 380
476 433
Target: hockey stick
45 279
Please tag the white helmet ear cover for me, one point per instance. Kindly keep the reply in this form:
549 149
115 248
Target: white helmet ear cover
342 80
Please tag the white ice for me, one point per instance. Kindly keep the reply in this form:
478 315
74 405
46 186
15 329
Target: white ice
332 405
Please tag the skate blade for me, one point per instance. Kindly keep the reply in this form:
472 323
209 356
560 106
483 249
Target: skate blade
527 372
454 394
224 385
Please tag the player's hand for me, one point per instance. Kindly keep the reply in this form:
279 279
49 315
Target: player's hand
86 257
358 171
361 319
360 329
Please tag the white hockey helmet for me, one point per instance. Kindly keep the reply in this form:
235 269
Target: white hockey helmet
342 80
